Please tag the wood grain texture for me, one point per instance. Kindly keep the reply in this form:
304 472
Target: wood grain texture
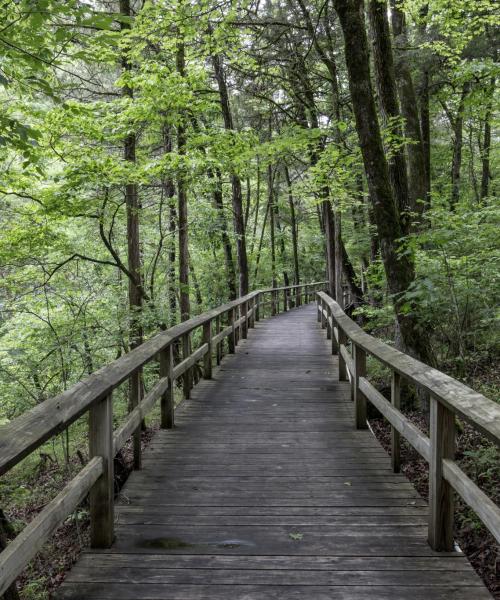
265 490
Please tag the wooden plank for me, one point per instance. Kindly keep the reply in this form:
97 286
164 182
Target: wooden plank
24 547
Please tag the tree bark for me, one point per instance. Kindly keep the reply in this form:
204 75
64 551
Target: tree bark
386 84
237 197
270 192
409 109
485 154
425 127
185 305
457 123
398 266
226 241
295 230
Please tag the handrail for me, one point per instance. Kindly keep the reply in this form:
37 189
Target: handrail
448 398
94 395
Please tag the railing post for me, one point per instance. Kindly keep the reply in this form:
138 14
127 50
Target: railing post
135 394
273 303
252 307
329 332
231 340
395 438
322 314
237 328
442 437
102 492
359 365
318 309
167 399
342 365
335 346
257 307
186 378
207 359
244 324
285 300
218 349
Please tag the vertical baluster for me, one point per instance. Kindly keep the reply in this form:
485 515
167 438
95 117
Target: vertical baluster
322 313
102 492
342 365
257 308
232 336
395 439
218 350
359 364
186 378
167 399
207 359
135 395
244 324
441 505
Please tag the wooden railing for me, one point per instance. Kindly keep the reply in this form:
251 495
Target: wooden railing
448 398
94 395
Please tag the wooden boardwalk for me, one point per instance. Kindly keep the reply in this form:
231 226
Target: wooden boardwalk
265 491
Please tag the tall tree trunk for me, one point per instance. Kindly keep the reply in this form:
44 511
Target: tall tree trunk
270 191
386 84
485 154
398 266
185 306
237 197
425 127
134 256
457 124
295 229
226 241
409 109
169 190
261 242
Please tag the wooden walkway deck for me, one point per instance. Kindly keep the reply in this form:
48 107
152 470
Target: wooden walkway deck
265 491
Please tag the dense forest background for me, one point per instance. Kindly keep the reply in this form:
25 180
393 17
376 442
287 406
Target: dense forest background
162 157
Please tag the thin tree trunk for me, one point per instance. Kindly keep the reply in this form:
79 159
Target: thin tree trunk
295 229
456 165
237 198
425 127
399 267
270 192
226 241
134 257
169 190
261 242
185 306
196 285
485 154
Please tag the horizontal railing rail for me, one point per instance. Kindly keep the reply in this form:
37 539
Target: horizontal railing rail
93 395
448 398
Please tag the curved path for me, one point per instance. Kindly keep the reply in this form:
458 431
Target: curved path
265 491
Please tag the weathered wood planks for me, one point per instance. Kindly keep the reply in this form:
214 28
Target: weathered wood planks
265 491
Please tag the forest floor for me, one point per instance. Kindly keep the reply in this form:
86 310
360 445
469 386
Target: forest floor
48 569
